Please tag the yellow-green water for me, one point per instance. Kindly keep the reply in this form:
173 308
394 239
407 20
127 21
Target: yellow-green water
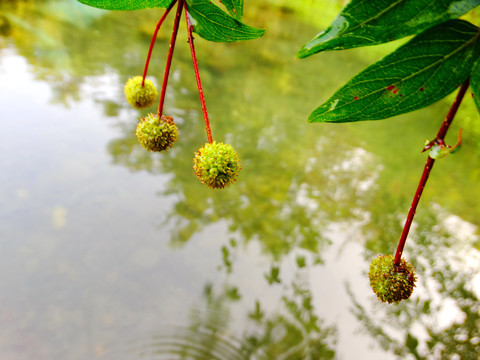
110 252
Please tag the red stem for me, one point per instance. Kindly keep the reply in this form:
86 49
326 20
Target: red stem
154 37
170 56
197 76
428 168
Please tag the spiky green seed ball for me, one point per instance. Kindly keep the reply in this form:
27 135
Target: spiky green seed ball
216 165
140 96
391 283
156 134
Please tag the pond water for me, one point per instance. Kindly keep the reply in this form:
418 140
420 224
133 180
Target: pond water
108 251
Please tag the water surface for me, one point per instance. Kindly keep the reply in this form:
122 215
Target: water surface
110 252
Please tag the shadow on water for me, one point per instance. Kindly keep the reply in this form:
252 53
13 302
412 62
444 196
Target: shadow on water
300 185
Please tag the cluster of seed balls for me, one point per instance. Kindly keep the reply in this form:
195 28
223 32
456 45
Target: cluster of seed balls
389 282
216 165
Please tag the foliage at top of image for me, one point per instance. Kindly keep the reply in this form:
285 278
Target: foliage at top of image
443 54
209 20
419 73
363 23
127 4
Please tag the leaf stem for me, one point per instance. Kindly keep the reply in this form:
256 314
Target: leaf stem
197 76
427 169
154 37
170 56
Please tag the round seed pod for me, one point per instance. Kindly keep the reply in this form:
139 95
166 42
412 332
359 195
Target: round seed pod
216 165
140 96
389 282
156 134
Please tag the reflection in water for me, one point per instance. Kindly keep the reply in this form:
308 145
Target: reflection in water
296 333
5 27
111 261
443 320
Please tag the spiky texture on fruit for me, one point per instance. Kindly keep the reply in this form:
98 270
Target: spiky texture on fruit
140 96
391 283
216 165
156 134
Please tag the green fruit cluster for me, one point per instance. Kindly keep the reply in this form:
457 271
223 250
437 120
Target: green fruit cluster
389 282
216 165
140 96
156 134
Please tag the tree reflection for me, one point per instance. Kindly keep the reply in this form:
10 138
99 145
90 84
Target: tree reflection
280 197
442 321
68 43
296 180
260 109
5 26
293 333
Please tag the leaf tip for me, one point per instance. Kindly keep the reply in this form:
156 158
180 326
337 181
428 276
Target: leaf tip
261 32
303 53
312 118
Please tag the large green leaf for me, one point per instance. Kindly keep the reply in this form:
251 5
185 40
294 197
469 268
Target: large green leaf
213 24
419 73
475 84
127 4
370 22
234 7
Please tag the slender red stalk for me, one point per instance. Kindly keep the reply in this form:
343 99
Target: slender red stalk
197 76
428 168
154 37
170 56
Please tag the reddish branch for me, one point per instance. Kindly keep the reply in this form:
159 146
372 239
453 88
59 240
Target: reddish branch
428 168
197 76
170 56
154 37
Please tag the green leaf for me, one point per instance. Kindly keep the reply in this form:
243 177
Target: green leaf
419 73
234 7
213 24
127 4
475 83
371 22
